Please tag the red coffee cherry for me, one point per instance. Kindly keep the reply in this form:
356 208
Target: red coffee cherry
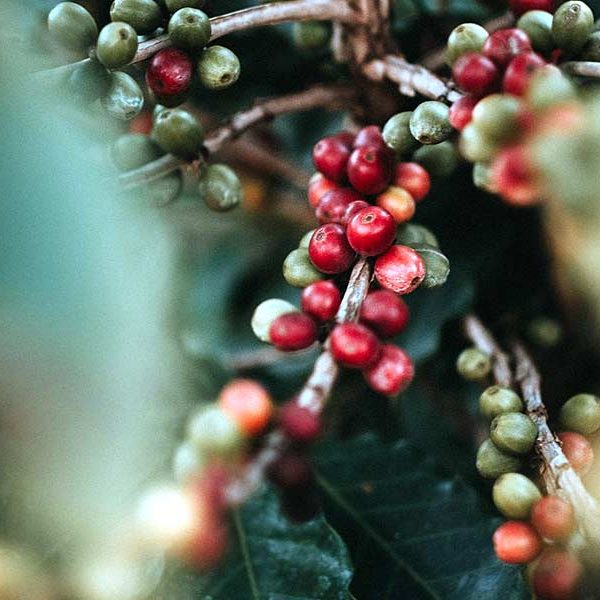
475 73
291 471
346 137
519 7
578 451
400 269
413 178
519 73
329 250
354 345
369 169
293 331
503 45
461 112
513 178
321 300
333 205
553 518
352 209
516 542
298 423
318 186
371 231
557 575
392 373
330 157
385 313
369 136
169 72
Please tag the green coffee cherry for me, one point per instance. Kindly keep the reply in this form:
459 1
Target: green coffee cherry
162 191
134 150
496 116
305 241
175 5
492 462
468 37
298 270
73 26
189 28
117 45
265 313
143 15
218 67
437 266
496 400
220 188
537 24
88 82
514 433
178 132
549 86
473 364
440 159
475 146
411 234
429 122
482 177
124 99
214 433
581 413
571 26
396 133
187 463
591 50
310 36
514 495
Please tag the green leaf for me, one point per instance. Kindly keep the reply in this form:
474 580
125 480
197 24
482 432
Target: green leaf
412 532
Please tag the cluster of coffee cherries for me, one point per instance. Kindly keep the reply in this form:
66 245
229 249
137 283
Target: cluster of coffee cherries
169 72
539 527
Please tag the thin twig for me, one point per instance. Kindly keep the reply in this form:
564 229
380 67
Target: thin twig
262 357
583 68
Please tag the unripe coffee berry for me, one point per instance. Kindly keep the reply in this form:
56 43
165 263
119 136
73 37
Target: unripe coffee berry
516 542
572 24
557 575
369 169
318 186
330 156
266 313
116 45
397 135
175 5
497 400
392 373
189 28
385 313
293 331
72 25
514 495
513 176
440 160
321 300
178 132
578 451
475 73
298 270
398 202
497 116
143 15
413 178
429 122
400 269
124 98
218 67
333 205
519 72
354 345
475 146
299 424
492 462
461 112
553 518
473 364
503 45
214 433
371 231
133 150
467 37
537 24
581 414
329 250
220 187
248 403
514 433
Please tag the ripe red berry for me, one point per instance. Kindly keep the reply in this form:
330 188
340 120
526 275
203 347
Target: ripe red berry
461 112
519 72
298 423
553 518
293 331
578 451
516 542
400 269
412 177
503 45
392 373
291 471
513 177
475 73
519 7
169 72
346 138
385 313
333 205
318 186
557 575
321 300
370 169
330 157
352 209
371 231
329 250
207 547
354 345
369 136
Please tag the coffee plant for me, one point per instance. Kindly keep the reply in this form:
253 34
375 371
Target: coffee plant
348 249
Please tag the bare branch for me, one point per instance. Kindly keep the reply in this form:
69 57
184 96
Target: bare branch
583 68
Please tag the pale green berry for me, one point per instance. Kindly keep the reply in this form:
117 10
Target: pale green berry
189 28
305 241
72 26
581 413
473 364
548 87
429 122
537 24
178 132
187 463
514 495
214 433
467 37
220 188
218 67
143 15
514 433
117 45
492 462
496 116
572 24
298 270
396 133
497 400
124 99
440 160
482 177
265 313
475 145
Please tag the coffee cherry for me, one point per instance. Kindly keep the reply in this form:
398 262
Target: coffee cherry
514 495
348 138
189 28
411 234
220 187
371 231
437 266
214 433
473 364
482 177
354 345
557 575
475 146
369 169
88 82
429 122
392 372
310 36
553 518
468 37
397 135
73 26
514 433
352 209
248 404
291 471
475 73
116 45
385 313
169 72
519 72
333 205
413 178
497 400
329 250
519 7
293 331
207 547
218 68
178 132
549 87
330 157
516 542
133 150
318 186
124 99
400 269
492 462
369 136
175 5
572 24
266 313
581 414
503 45
187 463
305 241
162 191
321 300
439 160
299 424
496 116
537 24
577 450
143 15
513 177
298 270
397 202
461 112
